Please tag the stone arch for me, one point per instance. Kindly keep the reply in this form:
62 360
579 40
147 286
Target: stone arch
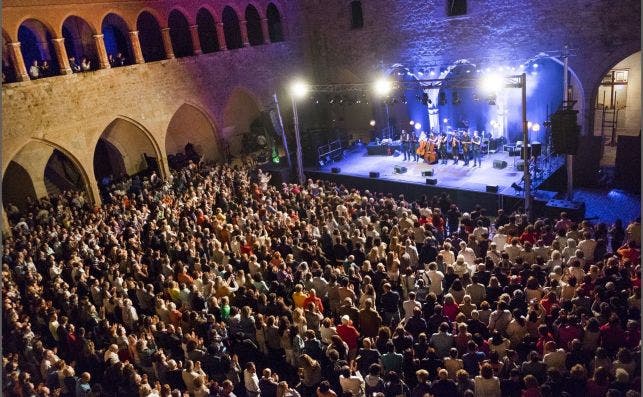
35 43
149 32
79 40
629 120
240 110
52 169
231 28
17 186
207 28
191 124
253 25
180 34
116 36
129 147
275 25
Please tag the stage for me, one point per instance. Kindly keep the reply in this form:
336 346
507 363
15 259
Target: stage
467 183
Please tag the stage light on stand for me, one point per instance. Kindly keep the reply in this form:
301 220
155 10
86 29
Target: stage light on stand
535 127
412 122
299 89
418 126
372 123
491 83
491 99
535 65
382 87
529 125
445 120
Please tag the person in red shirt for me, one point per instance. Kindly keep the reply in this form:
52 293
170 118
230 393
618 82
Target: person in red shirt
529 235
543 337
612 336
629 251
350 335
312 297
568 331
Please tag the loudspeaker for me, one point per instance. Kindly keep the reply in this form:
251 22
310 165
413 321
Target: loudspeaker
499 164
431 181
536 149
492 189
520 165
565 131
628 163
335 170
399 169
430 172
374 174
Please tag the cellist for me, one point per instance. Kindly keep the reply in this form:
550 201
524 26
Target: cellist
431 155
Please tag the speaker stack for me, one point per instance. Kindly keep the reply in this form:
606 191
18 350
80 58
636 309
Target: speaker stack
499 164
374 174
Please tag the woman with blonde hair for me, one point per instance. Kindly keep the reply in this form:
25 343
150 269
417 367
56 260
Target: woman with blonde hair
283 390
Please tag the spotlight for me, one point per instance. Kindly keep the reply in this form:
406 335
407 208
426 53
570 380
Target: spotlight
412 122
420 73
418 126
382 87
535 65
432 73
445 120
535 127
299 89
529 125
491 83
372 123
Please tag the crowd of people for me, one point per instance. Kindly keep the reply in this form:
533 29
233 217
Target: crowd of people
215 283
43 68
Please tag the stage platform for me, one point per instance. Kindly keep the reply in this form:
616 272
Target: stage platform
467 184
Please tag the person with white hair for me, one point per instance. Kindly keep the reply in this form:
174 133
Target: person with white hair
130 316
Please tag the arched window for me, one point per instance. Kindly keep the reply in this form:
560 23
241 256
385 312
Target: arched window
275 29
180 34
79 41
35 43
253 26
149 33
456 7
357 17
207 31
115 35
231 29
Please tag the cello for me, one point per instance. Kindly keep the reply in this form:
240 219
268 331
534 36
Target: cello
421 150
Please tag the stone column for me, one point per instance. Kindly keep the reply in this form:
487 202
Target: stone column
61 54
19 68
244 33
196 41
167 43
136 47
103 61
221 37
265 30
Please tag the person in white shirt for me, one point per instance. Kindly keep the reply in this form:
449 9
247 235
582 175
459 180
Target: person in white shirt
434 279
480 231
351 381
251 380
587 245
554 358
409 305
447 254
500 238
468 253
514 249
476 291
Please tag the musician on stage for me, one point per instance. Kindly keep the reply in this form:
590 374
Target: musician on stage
466 146
413 146
455 147
442 148
405 138
476 149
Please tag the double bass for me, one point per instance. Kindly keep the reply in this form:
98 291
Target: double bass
431 155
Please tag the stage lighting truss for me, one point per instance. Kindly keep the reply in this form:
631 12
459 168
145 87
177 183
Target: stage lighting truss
361 93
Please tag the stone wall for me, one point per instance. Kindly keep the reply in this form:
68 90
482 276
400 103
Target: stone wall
492 33
224 89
